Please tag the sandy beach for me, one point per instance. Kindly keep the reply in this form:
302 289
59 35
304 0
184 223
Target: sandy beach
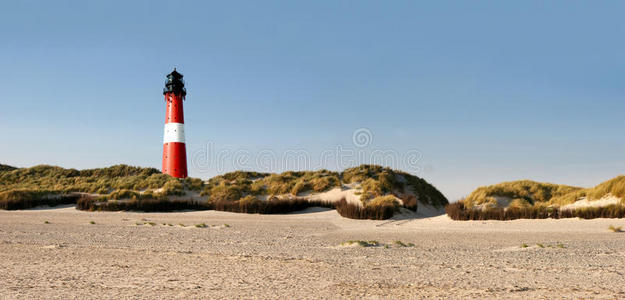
300 256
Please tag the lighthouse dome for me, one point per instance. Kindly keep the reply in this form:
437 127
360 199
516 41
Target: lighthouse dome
175 83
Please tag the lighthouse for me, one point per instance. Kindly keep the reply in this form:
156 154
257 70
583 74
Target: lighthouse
174 150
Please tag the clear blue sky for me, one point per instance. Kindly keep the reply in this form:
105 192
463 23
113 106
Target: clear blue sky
486 91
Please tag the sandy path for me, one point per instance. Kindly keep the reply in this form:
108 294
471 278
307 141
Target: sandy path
297 256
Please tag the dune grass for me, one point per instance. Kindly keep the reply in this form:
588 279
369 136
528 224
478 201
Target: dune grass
278 206
375 181
521 193
361 243
379 181
525 193
24 199
614 187
402 244
534 200
115 182
235 185
615 228
123 187
458 211
4 168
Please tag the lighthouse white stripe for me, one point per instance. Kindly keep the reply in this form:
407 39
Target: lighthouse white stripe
174 133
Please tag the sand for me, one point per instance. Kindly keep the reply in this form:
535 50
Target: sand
584 202
299 256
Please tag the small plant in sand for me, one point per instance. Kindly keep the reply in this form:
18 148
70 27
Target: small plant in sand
138 224
361 243
203 225
226 225
402 244
91 222
616 229
561 246
524 246
169 224
540 245
182 225
151 223
46 222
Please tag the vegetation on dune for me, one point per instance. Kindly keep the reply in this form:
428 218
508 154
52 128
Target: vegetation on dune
383 190
233 186
614 187
382 211
375 181
379 181
4 168
361 243
248 204
23 199
459 212
22 188
102 180
522 193
533 200
525 193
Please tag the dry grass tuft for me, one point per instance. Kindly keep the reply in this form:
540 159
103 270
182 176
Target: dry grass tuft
402 244
361 243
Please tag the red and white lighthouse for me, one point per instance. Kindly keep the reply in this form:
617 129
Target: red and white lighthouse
174 150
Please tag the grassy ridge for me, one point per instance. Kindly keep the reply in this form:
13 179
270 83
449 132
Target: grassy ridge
6 168
101 180
614 187
525 193
235 185
375 181
522 193
148 189
534 200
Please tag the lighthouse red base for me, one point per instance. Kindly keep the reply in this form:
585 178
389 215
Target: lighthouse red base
175 159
